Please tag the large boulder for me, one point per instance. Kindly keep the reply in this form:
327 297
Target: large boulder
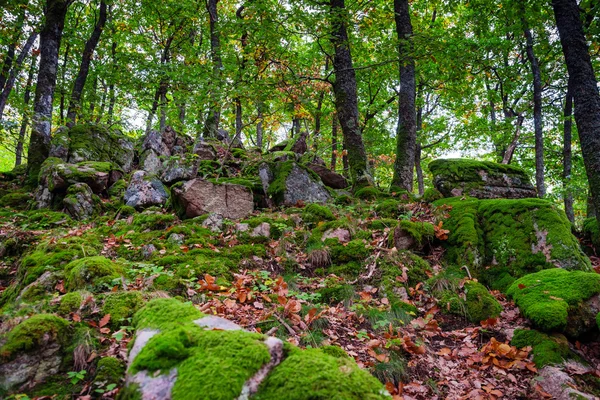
480 179
157 147
501 240
80 202
145 190
330 178
289 184
91 142
214 358
199 196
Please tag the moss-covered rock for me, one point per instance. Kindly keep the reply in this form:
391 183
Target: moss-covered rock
477 304
513 237
33 334
401 269
547 350
122 305
293 183
91 272
163 313
369 193
17 200
554 300
110 370
315 375
481 179
412 235
69 303
591 229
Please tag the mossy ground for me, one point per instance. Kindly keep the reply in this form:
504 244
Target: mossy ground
547 350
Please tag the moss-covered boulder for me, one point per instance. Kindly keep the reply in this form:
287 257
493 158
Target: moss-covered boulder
480 179
91 272
500 240
592 231
121 306
289 183
16 200
472 301
556 300
412 235
547 349
145 190
180 354
91 142
158 146
32 351
80 202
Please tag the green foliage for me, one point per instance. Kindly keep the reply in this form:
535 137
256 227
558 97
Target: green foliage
547 350
15 200
121 305
547 297
369 193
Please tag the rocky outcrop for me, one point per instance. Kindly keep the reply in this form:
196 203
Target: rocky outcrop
198 197
157 147
480 179
289 184
91 142
558 384
145 190
80 202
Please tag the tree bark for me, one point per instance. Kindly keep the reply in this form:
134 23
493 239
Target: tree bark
111 88
346 100
259 125
585 90
211 124
512 147
567 154
406 137
10 83
25 121
10 54
50 37
537 108
334 141
84 66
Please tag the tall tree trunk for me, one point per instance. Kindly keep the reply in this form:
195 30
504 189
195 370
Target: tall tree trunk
10 83
102 101
63 82
259 125
406 137
163 111
346 100
585 90
25 120
567 154
295 127
84 66
334 141
50 37
211 124
512 147
111 88
418 148
537 108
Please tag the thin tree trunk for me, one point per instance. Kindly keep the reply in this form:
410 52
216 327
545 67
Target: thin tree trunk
50 37
92 98
25 121
211 124
295 127
512 147
163 111
418 149
584 87
406 137
63 85
259 125
111 89
10 83
537 108
102 101
84 66
567 155
346 100
334 141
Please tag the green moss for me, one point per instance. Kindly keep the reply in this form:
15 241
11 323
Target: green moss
420 231
547 350
109 370
383 223
33 333
122 305
90 271
592 230
16 200
43 219
247 251
477 305
431 195
163 313
314 375
281 171
278 226
355 250
394 264
153 221
117 189
389 208
547 297
315 213
335 351
337 293
69 303
369 193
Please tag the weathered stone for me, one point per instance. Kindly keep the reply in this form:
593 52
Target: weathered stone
176 238
242 227
80 203
157 147
205 151
329 177
214 322
558 384
343 235
480 179
262 230
292 184
91 142
177 169
145 190
214 222
58 176
403 240
148 250
198 196
30 369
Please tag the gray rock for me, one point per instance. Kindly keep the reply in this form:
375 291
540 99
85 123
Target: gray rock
198 196
343 235
218 323
214 222
176 238
329 177
145 190
157 148
30 369
177 169
148 250
559 384
205 151
80 203
242 227
300 186
262 230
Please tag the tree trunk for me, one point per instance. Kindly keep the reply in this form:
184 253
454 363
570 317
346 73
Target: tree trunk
50 37
334 141
259 125
419 149
84 66
211 124
512 147
25 121
346 100
10 54
111 88
567 155
585 90
10 83
537 109
406 137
